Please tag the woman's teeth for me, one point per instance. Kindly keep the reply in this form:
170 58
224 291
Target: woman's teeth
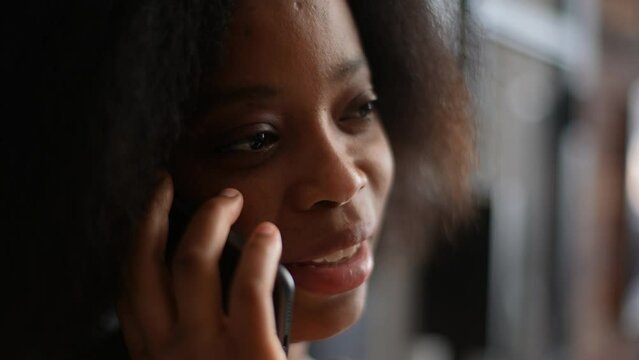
338 255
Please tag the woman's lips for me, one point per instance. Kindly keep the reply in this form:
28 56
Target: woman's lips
322 243
334 273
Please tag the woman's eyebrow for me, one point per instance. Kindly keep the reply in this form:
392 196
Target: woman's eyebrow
347 68
245 93
262 92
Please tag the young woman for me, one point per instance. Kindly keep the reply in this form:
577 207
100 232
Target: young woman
277 118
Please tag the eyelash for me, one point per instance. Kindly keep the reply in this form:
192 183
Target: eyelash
363 111
257 142
367 108
262 141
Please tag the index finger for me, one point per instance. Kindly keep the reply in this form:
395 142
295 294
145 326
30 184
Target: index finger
195 266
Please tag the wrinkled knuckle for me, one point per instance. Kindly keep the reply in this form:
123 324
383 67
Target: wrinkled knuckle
190 260
249 291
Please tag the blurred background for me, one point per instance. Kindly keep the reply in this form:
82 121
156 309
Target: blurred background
549 267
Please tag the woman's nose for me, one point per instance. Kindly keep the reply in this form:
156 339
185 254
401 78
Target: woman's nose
331 176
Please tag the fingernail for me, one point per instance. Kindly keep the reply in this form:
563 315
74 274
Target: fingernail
265 229
229 193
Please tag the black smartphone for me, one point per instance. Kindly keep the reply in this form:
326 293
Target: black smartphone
284 288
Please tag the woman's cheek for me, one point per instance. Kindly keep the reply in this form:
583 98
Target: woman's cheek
382 166
262 202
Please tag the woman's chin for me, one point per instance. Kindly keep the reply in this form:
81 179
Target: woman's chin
317 317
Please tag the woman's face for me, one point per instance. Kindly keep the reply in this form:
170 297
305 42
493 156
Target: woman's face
292 126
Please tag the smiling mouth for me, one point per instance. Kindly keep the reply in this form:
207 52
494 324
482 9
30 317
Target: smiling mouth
334 273
338 256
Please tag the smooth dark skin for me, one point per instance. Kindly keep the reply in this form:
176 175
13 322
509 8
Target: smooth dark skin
290 141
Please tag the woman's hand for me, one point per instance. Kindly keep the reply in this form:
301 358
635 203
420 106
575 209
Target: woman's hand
176 312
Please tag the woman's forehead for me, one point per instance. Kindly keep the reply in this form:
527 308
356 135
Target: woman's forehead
267 40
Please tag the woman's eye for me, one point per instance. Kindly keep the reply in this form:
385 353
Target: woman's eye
258 142
366 109
362 111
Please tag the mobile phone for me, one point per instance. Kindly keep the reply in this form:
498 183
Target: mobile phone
283 291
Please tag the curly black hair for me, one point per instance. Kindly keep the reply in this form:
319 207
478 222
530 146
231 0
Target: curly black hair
100 91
